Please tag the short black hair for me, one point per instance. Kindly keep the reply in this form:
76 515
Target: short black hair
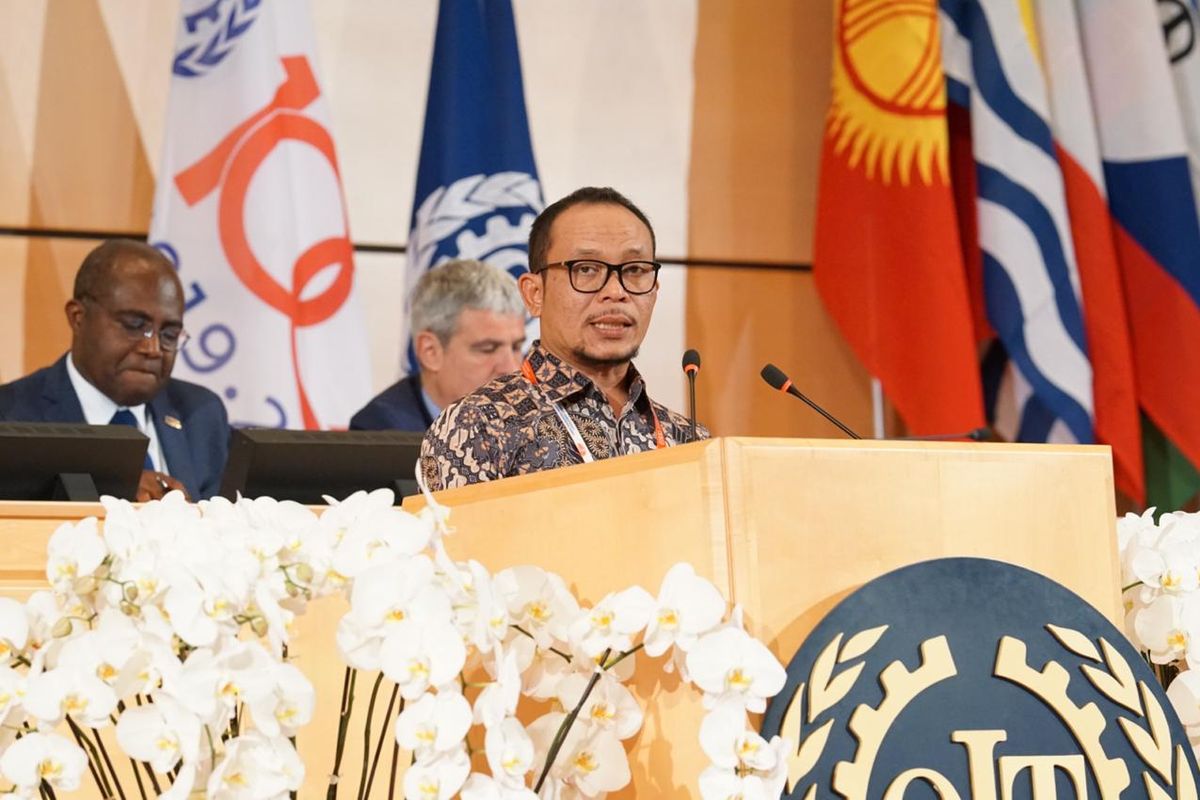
96 271
539 234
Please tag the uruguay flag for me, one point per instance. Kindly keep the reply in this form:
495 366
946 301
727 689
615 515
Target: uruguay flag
477 185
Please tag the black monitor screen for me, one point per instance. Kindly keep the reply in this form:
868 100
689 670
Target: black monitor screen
305 465
63 461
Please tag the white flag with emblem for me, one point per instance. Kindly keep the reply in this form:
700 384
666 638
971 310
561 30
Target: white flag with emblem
250 208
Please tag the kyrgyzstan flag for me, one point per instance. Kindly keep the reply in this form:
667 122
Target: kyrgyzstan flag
887 258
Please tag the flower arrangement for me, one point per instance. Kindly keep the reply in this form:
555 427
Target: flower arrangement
1160 579
169 623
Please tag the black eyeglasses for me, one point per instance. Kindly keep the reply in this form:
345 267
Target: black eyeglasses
587 275
138 326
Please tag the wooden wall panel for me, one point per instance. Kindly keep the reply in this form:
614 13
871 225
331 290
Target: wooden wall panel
762 87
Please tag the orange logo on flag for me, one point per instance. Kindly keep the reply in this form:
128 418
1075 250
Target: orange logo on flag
888 111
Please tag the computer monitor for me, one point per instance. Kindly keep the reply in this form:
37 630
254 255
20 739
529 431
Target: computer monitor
306 465
64 461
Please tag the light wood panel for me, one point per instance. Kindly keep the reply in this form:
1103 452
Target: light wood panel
762 88
785 528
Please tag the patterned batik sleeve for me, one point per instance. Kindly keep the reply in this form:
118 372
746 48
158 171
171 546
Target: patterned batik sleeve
459 449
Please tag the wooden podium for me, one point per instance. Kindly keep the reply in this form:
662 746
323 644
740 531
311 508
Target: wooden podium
784 527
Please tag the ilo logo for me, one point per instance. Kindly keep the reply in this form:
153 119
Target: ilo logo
230 168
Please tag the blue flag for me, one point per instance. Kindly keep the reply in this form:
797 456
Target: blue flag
477 185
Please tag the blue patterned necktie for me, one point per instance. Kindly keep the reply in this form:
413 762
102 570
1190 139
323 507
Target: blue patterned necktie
125 417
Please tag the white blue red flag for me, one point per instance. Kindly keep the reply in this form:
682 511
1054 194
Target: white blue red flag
477 185
250 208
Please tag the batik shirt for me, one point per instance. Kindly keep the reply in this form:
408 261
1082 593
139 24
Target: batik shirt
509 426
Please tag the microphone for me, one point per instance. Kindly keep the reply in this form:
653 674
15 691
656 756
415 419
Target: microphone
691 365
775 378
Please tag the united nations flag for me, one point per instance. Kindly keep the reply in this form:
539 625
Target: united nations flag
968 678
477 185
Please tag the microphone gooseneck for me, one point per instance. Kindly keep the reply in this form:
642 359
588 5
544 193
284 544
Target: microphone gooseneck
776 379
691 366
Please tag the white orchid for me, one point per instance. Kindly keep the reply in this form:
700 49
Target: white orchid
480 611
1168 627
729 664
510 753
74 552
613 622
163 601
610 706
434 724
743 763
256 767
1184 693
417 656
370 531
439 778
590 760
161 733
539 602
70 689
498 700
687 606
283 703
14 629
37 757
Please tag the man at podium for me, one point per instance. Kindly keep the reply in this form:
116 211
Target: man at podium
593 282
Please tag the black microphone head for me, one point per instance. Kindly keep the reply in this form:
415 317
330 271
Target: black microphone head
774 377
691 362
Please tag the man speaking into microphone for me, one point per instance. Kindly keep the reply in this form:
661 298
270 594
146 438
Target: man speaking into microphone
577 398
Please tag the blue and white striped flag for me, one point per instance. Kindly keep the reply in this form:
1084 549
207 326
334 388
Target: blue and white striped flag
477 184
1030 273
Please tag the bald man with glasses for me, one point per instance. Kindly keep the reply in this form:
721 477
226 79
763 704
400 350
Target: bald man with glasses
592 282
126 320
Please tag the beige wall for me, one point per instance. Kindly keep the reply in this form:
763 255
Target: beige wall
726 166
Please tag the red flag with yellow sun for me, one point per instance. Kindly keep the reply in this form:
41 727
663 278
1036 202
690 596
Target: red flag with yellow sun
887 258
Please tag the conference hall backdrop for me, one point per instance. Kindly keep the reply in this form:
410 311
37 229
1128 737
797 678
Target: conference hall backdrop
708 113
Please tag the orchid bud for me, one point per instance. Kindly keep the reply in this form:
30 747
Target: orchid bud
130 591
304 573
62 628
259 626
129 609
292 589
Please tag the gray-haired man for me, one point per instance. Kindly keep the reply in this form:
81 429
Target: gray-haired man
468 326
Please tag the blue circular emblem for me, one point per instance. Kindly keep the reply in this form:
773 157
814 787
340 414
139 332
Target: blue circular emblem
969 678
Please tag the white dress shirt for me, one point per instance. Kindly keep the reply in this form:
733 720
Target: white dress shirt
98 409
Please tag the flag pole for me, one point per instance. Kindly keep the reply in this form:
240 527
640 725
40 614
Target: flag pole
877 423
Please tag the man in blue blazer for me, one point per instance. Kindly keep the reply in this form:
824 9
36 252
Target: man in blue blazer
468 326
126 319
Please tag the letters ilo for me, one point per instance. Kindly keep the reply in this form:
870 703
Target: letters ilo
981 765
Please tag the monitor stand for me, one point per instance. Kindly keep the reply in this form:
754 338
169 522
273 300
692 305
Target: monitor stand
75 487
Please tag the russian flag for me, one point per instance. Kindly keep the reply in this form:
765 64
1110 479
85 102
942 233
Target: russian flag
1153 204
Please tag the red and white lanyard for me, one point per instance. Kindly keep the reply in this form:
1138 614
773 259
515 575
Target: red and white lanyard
660 441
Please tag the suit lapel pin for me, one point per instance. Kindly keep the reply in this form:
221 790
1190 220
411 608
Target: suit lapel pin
173 422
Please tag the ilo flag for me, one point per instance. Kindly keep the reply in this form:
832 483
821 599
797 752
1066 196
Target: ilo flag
1145 152
887 258
250 208
477 186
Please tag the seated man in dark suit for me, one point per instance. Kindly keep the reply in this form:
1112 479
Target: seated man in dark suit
126 318
468 326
